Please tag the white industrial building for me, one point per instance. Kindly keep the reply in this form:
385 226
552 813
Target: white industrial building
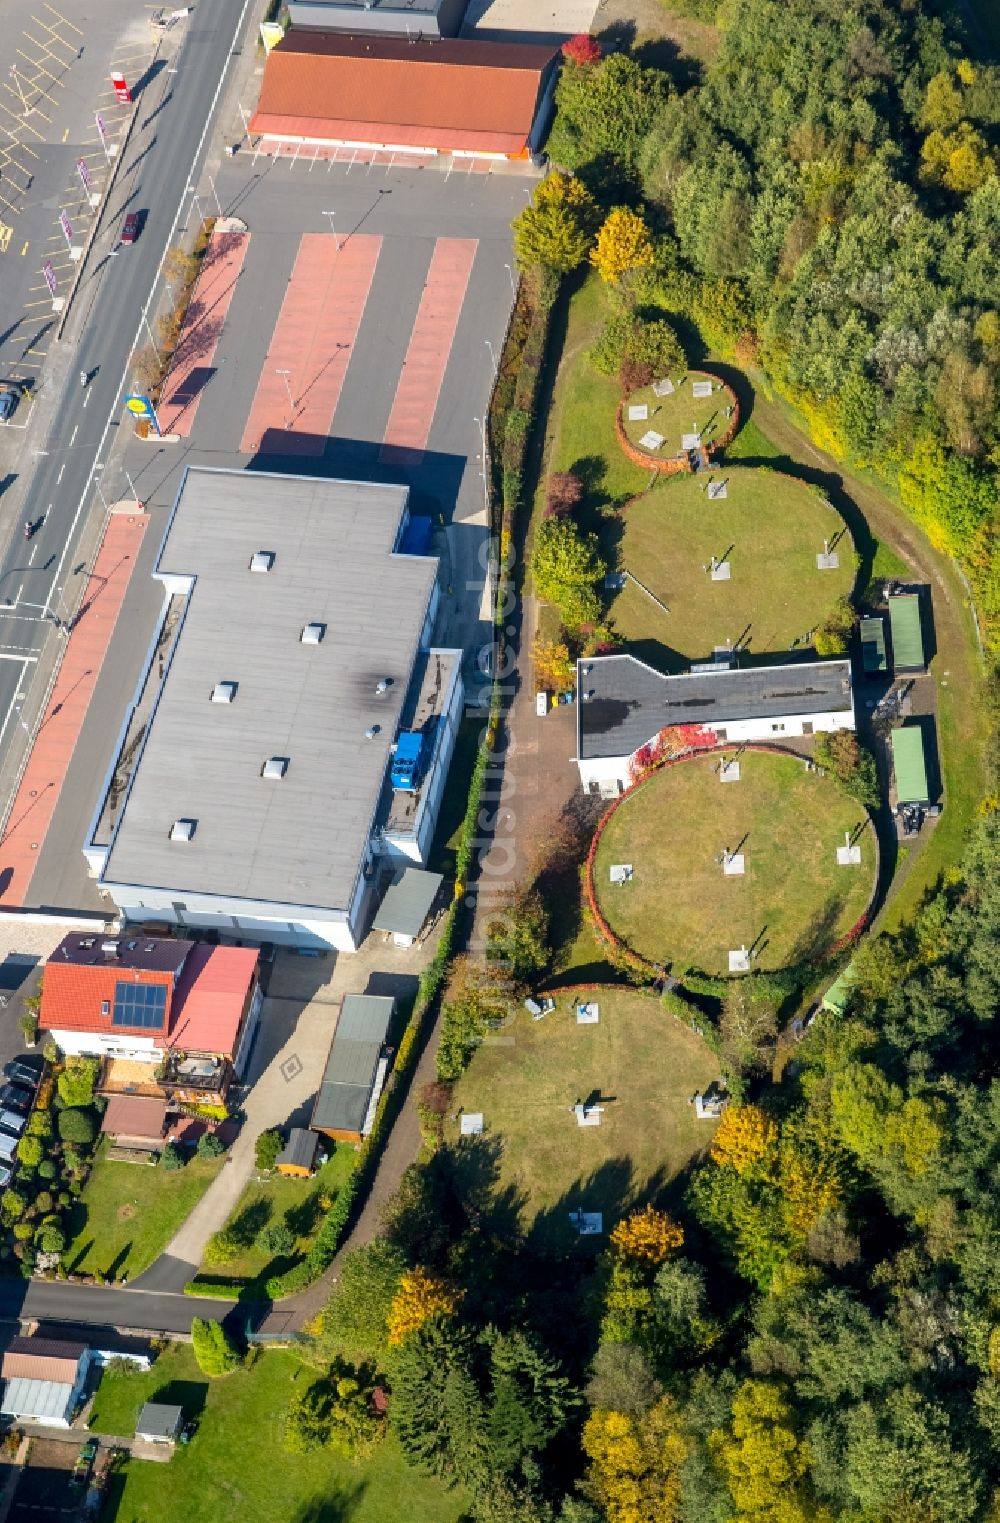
252 792
623 704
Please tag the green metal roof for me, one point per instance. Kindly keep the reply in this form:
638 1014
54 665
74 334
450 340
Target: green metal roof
835 998
907 635
909 765
873 644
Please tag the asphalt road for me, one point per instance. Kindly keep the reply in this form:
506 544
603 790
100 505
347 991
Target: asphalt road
95 1306
38 579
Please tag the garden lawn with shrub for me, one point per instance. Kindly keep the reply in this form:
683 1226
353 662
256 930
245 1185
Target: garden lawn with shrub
279 1201
645 1064
769 528
236 1465
128 1212
793 900
678 414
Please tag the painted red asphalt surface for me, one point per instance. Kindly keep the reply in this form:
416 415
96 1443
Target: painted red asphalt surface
86 648
311 344
430 344
191 369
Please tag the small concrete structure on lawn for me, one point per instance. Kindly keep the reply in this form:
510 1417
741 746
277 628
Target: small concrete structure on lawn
159 1423
43 1380
356 1069
623 704
298 1156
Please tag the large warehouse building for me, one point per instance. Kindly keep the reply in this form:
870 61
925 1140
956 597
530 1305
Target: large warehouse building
453 96
258 783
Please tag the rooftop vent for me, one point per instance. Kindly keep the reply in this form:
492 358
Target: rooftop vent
262 561
87 942
383 684
109 948
224 692
183 830
312 634
275 766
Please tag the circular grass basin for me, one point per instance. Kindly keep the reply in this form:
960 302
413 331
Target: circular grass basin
680 416
769 529
792 901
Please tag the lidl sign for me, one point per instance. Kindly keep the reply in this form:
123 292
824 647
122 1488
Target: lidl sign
142 407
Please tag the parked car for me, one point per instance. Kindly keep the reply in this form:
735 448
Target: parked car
23 1071
8 1147
12 1121
16 1097
6 1174
10 395
130 228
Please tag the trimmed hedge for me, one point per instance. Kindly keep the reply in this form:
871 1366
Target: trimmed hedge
224 1290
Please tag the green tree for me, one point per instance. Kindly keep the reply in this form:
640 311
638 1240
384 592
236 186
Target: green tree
356 1316
13 1205
277 1238
40 1124
77 1126
603 115
335 1413
557 228
214 1350
210 1146
566 566
77 1080
29 1151
622 1380
517 937
172 1157
267 1147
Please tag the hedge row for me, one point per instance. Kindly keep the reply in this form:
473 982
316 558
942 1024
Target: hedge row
224 1290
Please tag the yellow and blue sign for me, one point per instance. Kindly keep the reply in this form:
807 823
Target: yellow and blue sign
142 407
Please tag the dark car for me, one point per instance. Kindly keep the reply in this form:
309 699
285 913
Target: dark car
21 1071
16 1097
9 398
130 228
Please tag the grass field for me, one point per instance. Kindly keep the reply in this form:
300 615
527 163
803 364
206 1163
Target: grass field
128 1212
297 1202
644 1064
236 1467
769 528
793 899
678 414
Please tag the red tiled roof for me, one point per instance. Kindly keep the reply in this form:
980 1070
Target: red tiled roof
134 1116
42 1359
203 1011
449 94
211 994
72 996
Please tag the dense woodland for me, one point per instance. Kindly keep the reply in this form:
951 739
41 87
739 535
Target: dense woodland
807 1325
825 205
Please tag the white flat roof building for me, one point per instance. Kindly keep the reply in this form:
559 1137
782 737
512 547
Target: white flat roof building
252 805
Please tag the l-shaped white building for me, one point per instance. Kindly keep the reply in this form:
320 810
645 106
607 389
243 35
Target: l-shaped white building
623 704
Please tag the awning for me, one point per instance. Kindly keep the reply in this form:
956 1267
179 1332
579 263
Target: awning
407 903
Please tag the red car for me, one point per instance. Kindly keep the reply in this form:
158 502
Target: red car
130 228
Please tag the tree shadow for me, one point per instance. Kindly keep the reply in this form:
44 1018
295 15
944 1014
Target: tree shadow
189 1395
81 1255
251 1220
301 1219
119 1261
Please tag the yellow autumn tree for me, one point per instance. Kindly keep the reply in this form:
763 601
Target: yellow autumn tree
761 1456
648 1234
557 229
623 244
554 667
743 1138
960 159
634 1472
420 1296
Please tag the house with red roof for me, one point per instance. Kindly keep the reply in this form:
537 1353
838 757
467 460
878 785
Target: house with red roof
172 1019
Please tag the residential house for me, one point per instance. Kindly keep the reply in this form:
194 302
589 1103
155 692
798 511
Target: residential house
43 1380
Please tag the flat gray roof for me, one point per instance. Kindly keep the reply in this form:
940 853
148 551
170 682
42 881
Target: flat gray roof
407 902
158 1419
628 702
300 1149
362 1027
298 840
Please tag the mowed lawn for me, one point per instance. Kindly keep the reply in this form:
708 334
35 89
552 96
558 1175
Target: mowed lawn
295 1203
236 1466
679 413
128 1212
769 528
793 899
642 1063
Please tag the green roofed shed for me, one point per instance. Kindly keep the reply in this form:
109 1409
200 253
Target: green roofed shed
908 653
356 1068
873 644
909 764
835 998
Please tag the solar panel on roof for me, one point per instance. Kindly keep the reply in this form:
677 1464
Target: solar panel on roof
142 1005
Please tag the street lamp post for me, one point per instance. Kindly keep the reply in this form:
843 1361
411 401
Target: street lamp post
493 355
284 374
